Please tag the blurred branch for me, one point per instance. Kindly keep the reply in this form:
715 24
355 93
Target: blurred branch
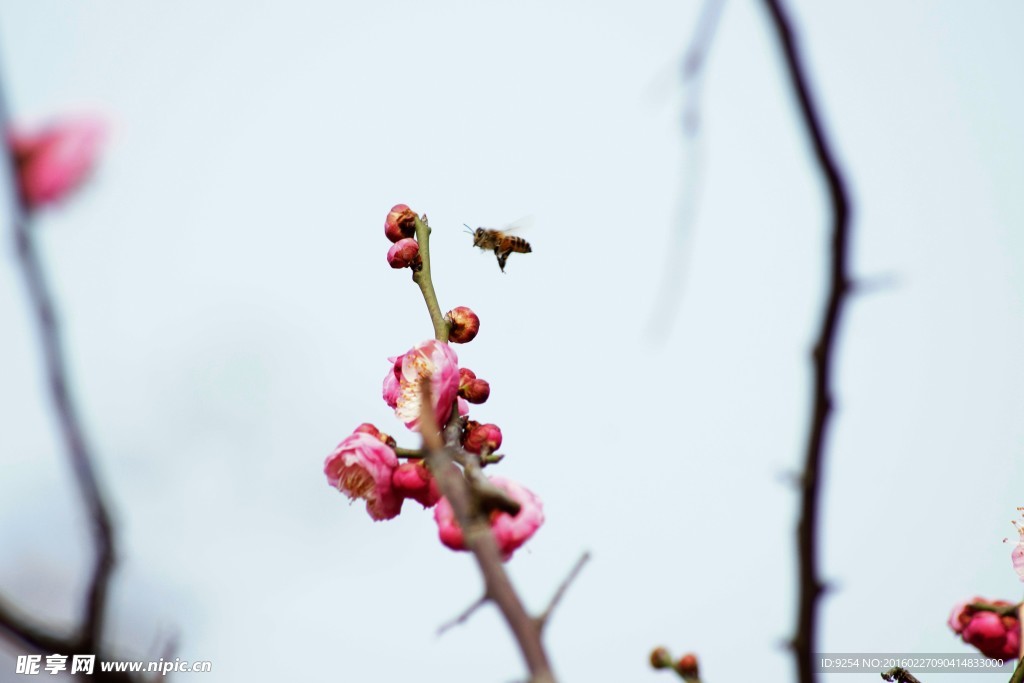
473 519
15 627
542 620
811 585
694 60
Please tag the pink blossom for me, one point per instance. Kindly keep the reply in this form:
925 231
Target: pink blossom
362 466
432 359
996 636
53 162
509 532
413 480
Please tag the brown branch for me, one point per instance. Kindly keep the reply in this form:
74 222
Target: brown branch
476 531
90 630
811 585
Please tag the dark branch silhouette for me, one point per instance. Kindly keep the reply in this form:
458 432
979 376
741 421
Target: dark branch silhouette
14 625
811 585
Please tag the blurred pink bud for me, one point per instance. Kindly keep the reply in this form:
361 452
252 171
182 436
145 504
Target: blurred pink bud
432 359
400 223
362 467
996 636
687 666
413 480
509 532
464 325
660 658
405 253
478 437
55 161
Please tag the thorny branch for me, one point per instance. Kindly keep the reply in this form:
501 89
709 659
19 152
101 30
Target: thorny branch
14 626
811 585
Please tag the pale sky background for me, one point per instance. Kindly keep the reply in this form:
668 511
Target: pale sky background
228 310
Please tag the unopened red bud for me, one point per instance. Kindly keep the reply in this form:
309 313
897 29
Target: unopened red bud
465 375
687 666
367 428
464 325
478 437
660 658
404 253
400 223
475 391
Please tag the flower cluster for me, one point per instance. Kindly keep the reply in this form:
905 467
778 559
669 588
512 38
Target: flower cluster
992 630
366 465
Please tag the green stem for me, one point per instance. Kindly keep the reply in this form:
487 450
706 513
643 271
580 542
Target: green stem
410 453
422 278
1018 673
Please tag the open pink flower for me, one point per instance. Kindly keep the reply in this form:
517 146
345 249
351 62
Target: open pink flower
510 532
53 162
362 466
430 359
996 636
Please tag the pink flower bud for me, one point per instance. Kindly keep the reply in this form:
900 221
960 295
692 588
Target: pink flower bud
478 437
405 253
362 467
509 532
472 389
687 666
400 223
660 658
367 428
464 325
994 635
55 161
413 480
432 359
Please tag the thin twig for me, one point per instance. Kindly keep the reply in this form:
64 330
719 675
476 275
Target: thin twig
480 541
464 616
811 585
81 460
542 620
694 60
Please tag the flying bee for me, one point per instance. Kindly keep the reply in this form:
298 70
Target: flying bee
500 242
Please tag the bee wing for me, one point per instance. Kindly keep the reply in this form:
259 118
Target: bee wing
522 225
